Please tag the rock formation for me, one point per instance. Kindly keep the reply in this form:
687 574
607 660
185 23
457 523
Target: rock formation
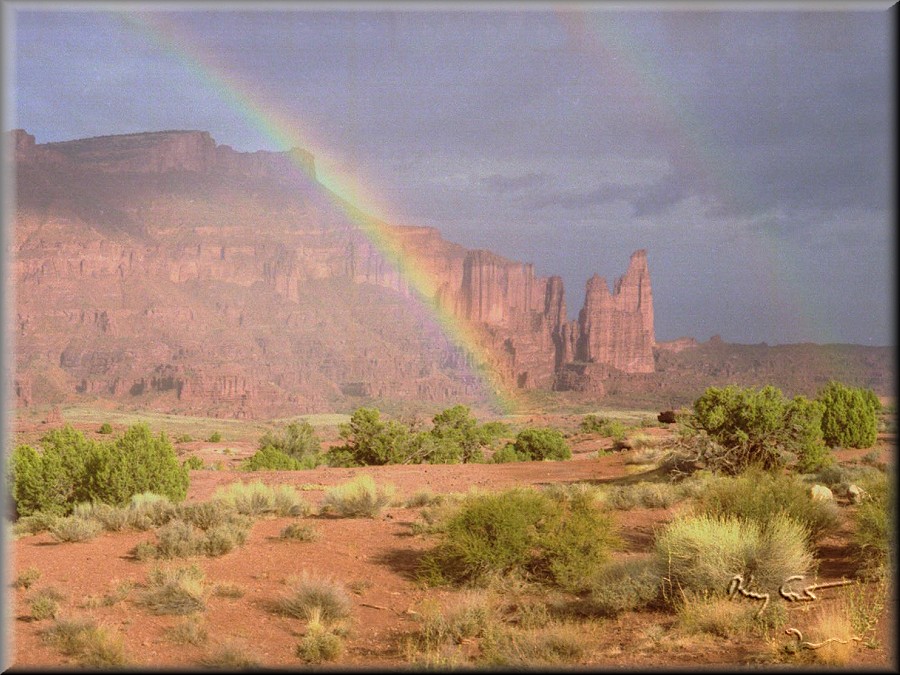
162 270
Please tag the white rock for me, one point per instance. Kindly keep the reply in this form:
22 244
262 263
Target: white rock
856 494
821 493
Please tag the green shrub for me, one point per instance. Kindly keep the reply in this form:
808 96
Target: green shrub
456 430
313 597
319 644
703 553
193 463
595 424
521 530
757 427
371 441
508 454
759 496
214 437
270 458
136 462
625 586
184 438
357 498
850 417
541 444
105 428
298 441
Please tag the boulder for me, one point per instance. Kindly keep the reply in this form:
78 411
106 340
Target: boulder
821 493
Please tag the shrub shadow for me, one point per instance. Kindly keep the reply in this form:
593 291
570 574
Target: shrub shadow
405 562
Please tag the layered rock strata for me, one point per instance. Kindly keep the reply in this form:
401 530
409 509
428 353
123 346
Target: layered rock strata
163 270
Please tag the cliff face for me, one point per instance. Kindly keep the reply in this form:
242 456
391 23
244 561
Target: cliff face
162 270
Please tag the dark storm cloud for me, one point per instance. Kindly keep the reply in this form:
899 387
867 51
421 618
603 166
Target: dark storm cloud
565 138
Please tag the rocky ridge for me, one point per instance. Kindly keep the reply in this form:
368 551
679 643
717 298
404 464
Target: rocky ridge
163 270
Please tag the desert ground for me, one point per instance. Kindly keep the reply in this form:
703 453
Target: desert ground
376 559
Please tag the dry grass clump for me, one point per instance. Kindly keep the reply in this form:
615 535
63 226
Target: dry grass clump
257 499
230 656
180 539
75 529
625 586
190 631
357 498
148 510
44 604
310 596
207 515
320 643
175 590
554 645
715 614
226 589
111 518
120 591
27 577
644 494
703 553
424 498
91 645
34 523
760 496
299 532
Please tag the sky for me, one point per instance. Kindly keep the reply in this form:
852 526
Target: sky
747 148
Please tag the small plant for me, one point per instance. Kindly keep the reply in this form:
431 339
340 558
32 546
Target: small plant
74 529
646 494
148 510
207 515
27 577
105 428
299 532
320 643
190 631
760 496
230 656
256 499
703 553
423 498
874 522
714 614
193 463
542 444
214 437
625 586
45 604
175 590
271 459
89 644
184 438
310 597
228 590
35 523
357 498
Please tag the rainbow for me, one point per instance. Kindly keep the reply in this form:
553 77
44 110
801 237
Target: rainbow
342 190
595 33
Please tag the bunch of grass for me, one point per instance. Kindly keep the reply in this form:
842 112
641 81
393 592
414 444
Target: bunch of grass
113 519
230 656
357 498
625 586
703 553
554 645
644 494
228 590
424 498
714 614
34 523
180 539
149 510
190 631
74 529
90 644
760 496
257 499
299 532
308 595
44 604
874 523
27 577
175 590
320 643
208 514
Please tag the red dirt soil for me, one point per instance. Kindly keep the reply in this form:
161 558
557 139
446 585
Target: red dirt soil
375 557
